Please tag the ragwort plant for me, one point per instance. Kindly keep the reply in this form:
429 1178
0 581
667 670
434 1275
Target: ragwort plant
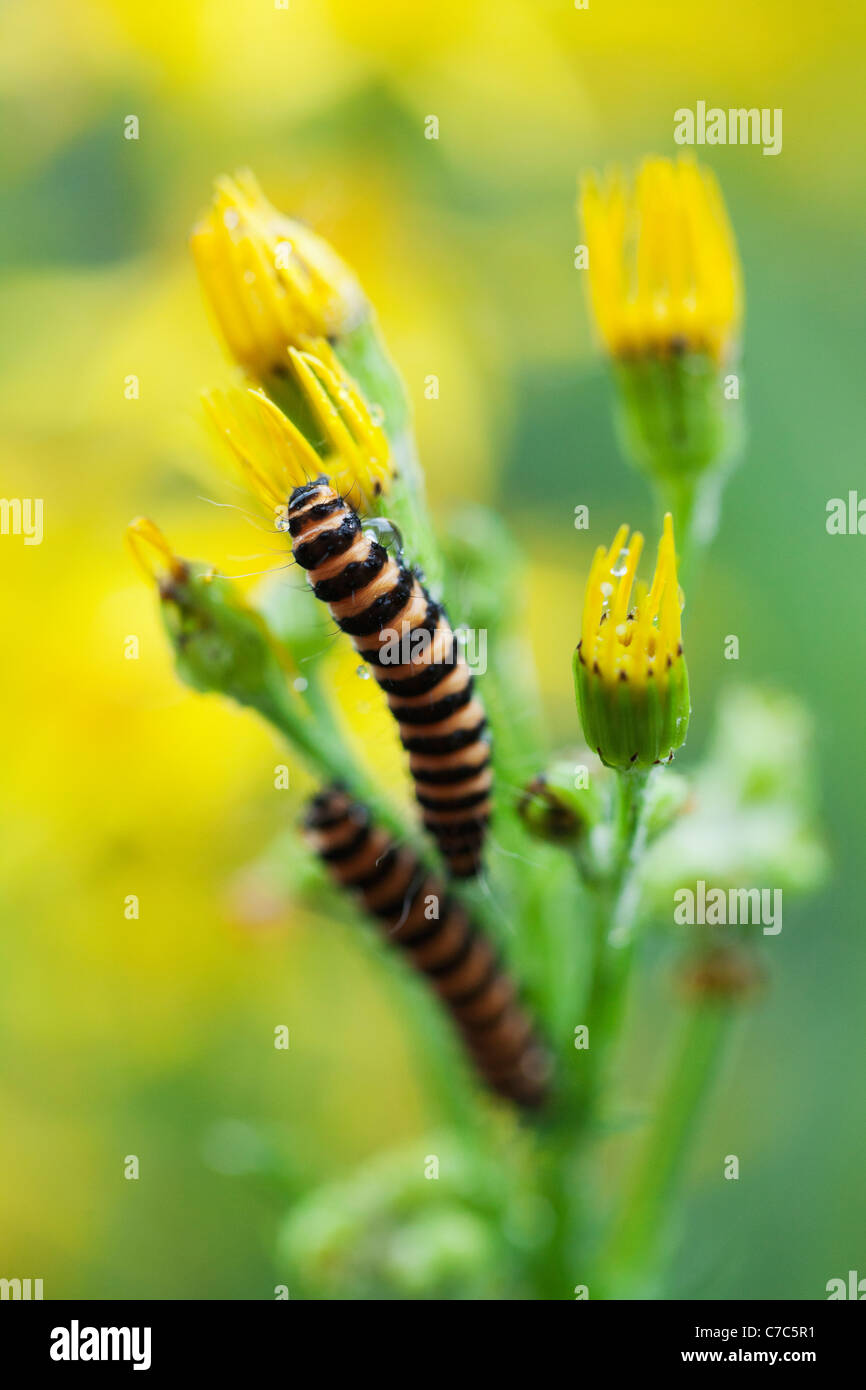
519 898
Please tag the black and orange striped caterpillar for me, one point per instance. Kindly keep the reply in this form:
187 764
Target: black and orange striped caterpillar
383 606
460 963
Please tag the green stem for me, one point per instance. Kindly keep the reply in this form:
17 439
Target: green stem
320 742
365 357
321 706
446 1076
616 904
694 501
631 1256
405 504
325 752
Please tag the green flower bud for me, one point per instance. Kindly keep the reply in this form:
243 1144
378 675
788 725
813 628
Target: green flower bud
725 974
219 643
304 628
387 1231
674 420
553 809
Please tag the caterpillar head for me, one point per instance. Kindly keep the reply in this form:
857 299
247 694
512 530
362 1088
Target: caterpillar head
319 489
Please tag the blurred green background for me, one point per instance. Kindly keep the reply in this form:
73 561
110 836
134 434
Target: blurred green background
154 1037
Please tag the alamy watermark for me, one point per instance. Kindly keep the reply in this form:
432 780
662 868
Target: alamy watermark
852 1287
736 126
415 645
77 1343
719 907
846 516
24 1289
22 516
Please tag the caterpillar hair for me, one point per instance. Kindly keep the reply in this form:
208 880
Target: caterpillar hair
460 963
410 645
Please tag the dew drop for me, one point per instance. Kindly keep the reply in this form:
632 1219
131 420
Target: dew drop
231 218
606 589
300 683
363 673
379 528
377 415
619 569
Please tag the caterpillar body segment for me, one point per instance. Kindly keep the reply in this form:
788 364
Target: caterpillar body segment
410 646
459 962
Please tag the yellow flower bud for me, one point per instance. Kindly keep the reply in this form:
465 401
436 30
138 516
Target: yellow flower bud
270 280
630 673
664 274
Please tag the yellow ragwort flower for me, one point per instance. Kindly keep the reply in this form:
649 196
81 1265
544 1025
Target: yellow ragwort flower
664 273
630 673
633 639
270 280
276 457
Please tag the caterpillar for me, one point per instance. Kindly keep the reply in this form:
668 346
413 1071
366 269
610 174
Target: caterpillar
459 962
383 606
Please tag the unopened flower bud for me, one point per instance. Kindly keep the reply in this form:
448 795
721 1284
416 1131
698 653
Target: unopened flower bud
270 280
552 808
219 643
720 975
664 282
630 674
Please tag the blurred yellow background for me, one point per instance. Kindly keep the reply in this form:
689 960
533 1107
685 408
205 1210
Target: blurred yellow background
154 1036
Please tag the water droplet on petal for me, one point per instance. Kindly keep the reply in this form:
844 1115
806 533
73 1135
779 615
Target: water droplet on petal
300 683
363 673
377 415
619 569
231 218
606 589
